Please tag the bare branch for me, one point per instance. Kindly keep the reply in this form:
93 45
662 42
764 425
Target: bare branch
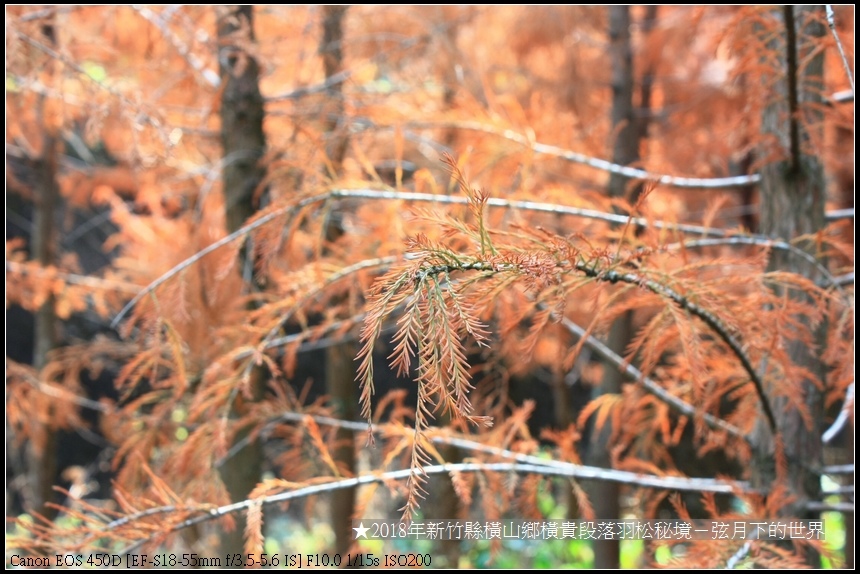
571 471
46 12
56 391
601 164
831 23
842 97
830 506
241 232
330 82
842 419
837 214
732 562
838 469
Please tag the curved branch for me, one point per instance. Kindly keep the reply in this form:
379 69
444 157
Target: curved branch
715 324
831 23
680 300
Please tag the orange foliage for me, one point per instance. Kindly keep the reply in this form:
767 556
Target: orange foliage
493 117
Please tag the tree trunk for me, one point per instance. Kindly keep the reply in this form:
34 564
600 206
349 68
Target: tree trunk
43 455
628 129
340 358
243 146
792 197
331 50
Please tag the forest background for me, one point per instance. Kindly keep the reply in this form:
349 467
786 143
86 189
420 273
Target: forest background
608 251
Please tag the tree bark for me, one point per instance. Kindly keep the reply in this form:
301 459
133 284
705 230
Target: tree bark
628 128
42 451
243 144
331 50
340 358
43 455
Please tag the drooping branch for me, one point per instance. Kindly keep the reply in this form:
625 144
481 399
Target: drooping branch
612 276
713 322
523 464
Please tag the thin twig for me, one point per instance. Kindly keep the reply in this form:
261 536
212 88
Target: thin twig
308 334
841 97
57 391
46 12
831 23
330 82
815 506
239 233
837 214
845 280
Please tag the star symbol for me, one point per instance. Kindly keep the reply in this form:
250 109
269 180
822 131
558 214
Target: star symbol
360 531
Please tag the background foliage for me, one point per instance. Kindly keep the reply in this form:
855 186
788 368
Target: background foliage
607 250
